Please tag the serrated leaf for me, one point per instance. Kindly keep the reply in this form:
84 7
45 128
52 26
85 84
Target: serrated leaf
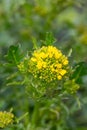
13 54
49 39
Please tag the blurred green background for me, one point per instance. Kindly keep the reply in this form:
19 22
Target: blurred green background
23 20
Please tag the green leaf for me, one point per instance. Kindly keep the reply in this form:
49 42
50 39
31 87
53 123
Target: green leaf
50 40
80 70
34 41
14 55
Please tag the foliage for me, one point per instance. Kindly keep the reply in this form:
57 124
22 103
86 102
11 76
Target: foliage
27 27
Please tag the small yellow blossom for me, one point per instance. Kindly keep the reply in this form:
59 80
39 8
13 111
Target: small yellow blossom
43 55
59 77
63 72
65 62
44 65
58 55
59 65
39 65
33 59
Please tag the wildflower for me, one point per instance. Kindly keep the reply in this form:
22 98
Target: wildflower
59 77
48 64
6 118
62 72
39 65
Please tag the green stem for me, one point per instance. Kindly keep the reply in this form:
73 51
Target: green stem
22 117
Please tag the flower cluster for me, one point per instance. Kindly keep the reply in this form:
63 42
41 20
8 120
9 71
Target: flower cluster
6 118
23 66
48 64
71 87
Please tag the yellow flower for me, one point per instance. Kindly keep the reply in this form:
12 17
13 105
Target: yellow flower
52 68
44 65
43 55
59 77
58 55
63 72
65 62
48 64
59 65
6 118
33 59
39 65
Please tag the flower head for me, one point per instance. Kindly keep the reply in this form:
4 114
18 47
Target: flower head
71 87
48 64
6 118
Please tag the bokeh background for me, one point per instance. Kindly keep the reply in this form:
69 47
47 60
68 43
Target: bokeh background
23 20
